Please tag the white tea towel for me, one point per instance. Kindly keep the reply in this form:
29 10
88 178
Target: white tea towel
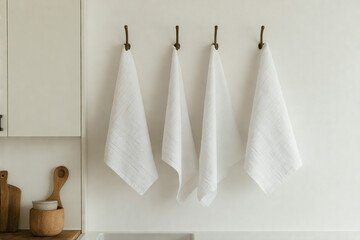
128 148
178 149
272 153
221 146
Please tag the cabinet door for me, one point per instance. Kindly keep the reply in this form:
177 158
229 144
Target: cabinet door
44 68
3 67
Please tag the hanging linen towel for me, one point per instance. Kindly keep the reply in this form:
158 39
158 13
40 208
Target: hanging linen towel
178 149
272 153
221 146
128 148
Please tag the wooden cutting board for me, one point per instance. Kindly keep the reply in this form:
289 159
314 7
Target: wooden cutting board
10 197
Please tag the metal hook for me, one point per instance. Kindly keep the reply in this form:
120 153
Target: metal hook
177 44
215 38
261 44
127 44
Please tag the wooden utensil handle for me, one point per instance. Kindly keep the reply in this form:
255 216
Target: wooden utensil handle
61 174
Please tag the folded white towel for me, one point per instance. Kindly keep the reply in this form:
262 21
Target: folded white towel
128 148
272 153
178 149
221 146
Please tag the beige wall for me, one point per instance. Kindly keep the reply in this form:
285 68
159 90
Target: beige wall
316 47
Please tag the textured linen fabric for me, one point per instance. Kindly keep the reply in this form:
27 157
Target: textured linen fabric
272 153
178 149
221 146
128 148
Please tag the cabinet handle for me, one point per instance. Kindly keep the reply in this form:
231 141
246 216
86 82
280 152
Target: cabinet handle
0 123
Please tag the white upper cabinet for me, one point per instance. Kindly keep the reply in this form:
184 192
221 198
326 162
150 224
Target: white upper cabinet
44 87
3 69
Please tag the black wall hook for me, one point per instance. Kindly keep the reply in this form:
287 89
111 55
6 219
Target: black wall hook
177 44
261 44
215 38
127 44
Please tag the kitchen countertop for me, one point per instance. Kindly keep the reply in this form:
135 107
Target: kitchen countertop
25 234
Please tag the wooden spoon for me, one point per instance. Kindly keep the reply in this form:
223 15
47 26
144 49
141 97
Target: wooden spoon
61 174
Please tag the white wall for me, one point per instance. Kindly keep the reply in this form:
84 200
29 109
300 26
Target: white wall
316 47
31 163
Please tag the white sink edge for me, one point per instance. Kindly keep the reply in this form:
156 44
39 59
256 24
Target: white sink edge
110 235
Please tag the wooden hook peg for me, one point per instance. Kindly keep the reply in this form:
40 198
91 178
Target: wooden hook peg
215 38
127 44
177 44
261 44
